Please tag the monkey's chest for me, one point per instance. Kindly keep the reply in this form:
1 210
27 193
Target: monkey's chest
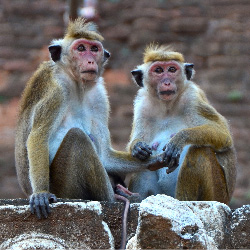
79 120
162 133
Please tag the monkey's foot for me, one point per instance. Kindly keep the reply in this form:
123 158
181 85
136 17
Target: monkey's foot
122 191
39 203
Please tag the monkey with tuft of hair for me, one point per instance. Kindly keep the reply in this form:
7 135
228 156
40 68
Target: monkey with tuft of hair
172 115
62 146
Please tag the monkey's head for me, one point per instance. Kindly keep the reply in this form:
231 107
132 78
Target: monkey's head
80 53
163 73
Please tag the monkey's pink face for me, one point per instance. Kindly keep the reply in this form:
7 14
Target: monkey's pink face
163 77
87 57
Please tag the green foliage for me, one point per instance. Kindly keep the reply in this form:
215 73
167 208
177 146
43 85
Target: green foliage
113 1
235 96
3 99
247 195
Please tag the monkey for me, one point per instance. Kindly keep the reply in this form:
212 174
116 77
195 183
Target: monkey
62 145
173 115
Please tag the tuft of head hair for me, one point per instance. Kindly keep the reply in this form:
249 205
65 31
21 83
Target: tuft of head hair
80 28
154 52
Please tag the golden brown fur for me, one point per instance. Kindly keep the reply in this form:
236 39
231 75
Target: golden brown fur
161 53
81 28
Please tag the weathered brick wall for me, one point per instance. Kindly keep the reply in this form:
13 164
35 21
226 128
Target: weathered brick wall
214 35
26 29
159 222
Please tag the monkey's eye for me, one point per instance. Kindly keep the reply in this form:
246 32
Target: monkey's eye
172 69
81 48
94 48
158 70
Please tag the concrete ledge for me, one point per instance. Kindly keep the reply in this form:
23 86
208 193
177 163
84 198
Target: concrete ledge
71 224
159 222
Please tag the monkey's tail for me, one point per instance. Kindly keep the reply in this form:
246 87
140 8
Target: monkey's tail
124 220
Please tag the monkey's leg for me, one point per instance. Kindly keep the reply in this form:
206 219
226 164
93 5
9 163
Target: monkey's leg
76 171
121 190
201 177
145 183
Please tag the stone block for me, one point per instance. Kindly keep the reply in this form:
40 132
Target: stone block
188 25
237 49
121 32
166 223
7 40
240 228
193 11
53 31
212 48
181 3
142 38
5 28
158 222
4 76
131 15
18 65
72 224
148 24
15 83
82 227
229 10
227 61
215 217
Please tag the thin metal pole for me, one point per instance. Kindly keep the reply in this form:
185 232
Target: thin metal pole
73 9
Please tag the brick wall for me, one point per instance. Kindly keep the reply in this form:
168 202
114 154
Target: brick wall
26 29
214 35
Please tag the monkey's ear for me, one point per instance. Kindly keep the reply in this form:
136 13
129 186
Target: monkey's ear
138 76
55 52
106 55
189 67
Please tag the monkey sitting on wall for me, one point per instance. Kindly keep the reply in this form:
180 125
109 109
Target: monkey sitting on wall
63 144
172 114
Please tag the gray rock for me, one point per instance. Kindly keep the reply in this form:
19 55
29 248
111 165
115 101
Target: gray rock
74 225
166 223
240 228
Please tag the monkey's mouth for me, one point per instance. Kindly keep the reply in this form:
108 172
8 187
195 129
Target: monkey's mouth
168 92
89 72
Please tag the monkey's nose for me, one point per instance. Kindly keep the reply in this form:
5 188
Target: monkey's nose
167 83
90 62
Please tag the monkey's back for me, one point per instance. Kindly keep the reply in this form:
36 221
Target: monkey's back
35 89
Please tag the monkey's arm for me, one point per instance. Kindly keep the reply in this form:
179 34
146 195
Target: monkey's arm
45 115
214 133
123 163
211 129
137 146
38 154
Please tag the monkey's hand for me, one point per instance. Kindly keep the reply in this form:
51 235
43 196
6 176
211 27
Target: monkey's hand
39 203
141 151
171 156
